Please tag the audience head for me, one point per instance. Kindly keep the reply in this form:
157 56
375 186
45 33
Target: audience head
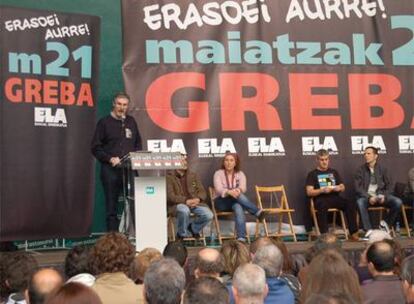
270 258
407 277
249 284
164 282
328 241
206 290
324 242
258 243
43 283
18 268
141 263
209 262
77 261
381 258
74 293
330 298
177 251
399 255
329 272
112 253
287 261
234 254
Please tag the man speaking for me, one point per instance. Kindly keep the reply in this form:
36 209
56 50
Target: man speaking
115 136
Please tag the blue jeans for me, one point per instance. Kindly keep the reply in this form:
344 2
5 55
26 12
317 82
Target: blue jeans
392 202
203 217
238 206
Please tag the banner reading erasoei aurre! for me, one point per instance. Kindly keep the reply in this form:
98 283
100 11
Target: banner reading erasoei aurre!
49 68
274 81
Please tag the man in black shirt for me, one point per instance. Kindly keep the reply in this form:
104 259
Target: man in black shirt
324 184
115 136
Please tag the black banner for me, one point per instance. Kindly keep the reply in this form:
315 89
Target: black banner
274 81
49 68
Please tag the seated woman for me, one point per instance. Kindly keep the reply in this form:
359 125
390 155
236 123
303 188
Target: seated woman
230 186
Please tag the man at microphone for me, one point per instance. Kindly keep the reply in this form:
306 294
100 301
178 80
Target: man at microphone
115 136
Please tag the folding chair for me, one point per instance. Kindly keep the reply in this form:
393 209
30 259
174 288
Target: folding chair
331 210
218 214
381 210
171 234
276 202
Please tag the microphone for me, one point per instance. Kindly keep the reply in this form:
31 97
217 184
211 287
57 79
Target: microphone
123 121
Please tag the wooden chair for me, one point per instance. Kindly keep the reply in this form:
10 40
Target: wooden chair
171 230
382 209
276 202
404 217
218 214
335 211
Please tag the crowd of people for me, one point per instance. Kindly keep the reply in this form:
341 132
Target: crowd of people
261 272
264 272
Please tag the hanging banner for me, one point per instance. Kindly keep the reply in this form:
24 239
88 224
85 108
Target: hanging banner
274 81
49 68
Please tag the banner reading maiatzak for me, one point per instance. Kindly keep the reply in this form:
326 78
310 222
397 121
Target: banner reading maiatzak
274 81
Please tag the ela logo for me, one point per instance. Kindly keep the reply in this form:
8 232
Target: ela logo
359 143
406 144
258 146
209 147
149 190
161 145
312 144
44 116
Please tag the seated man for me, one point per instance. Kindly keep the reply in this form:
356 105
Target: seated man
373 188
324 185
186 195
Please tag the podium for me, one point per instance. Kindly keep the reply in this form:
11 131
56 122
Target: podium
150 198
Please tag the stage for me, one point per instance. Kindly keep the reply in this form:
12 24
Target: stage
55 258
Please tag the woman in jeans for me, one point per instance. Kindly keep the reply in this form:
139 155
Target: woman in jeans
230 186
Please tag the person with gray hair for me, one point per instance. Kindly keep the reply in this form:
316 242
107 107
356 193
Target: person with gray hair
164 282
407 277
249 284
270 258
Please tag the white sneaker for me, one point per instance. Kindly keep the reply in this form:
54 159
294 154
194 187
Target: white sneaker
384 226
368 233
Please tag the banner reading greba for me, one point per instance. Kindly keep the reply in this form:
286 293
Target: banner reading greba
274 81
49 67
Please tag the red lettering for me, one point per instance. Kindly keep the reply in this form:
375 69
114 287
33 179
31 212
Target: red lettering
11 94
303 102
234 104
50 92
362 101
32 88
67 93
158 102
85 95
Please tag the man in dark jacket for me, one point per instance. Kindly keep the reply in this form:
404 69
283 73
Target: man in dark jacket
386 287
373 187
115 136
186 195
